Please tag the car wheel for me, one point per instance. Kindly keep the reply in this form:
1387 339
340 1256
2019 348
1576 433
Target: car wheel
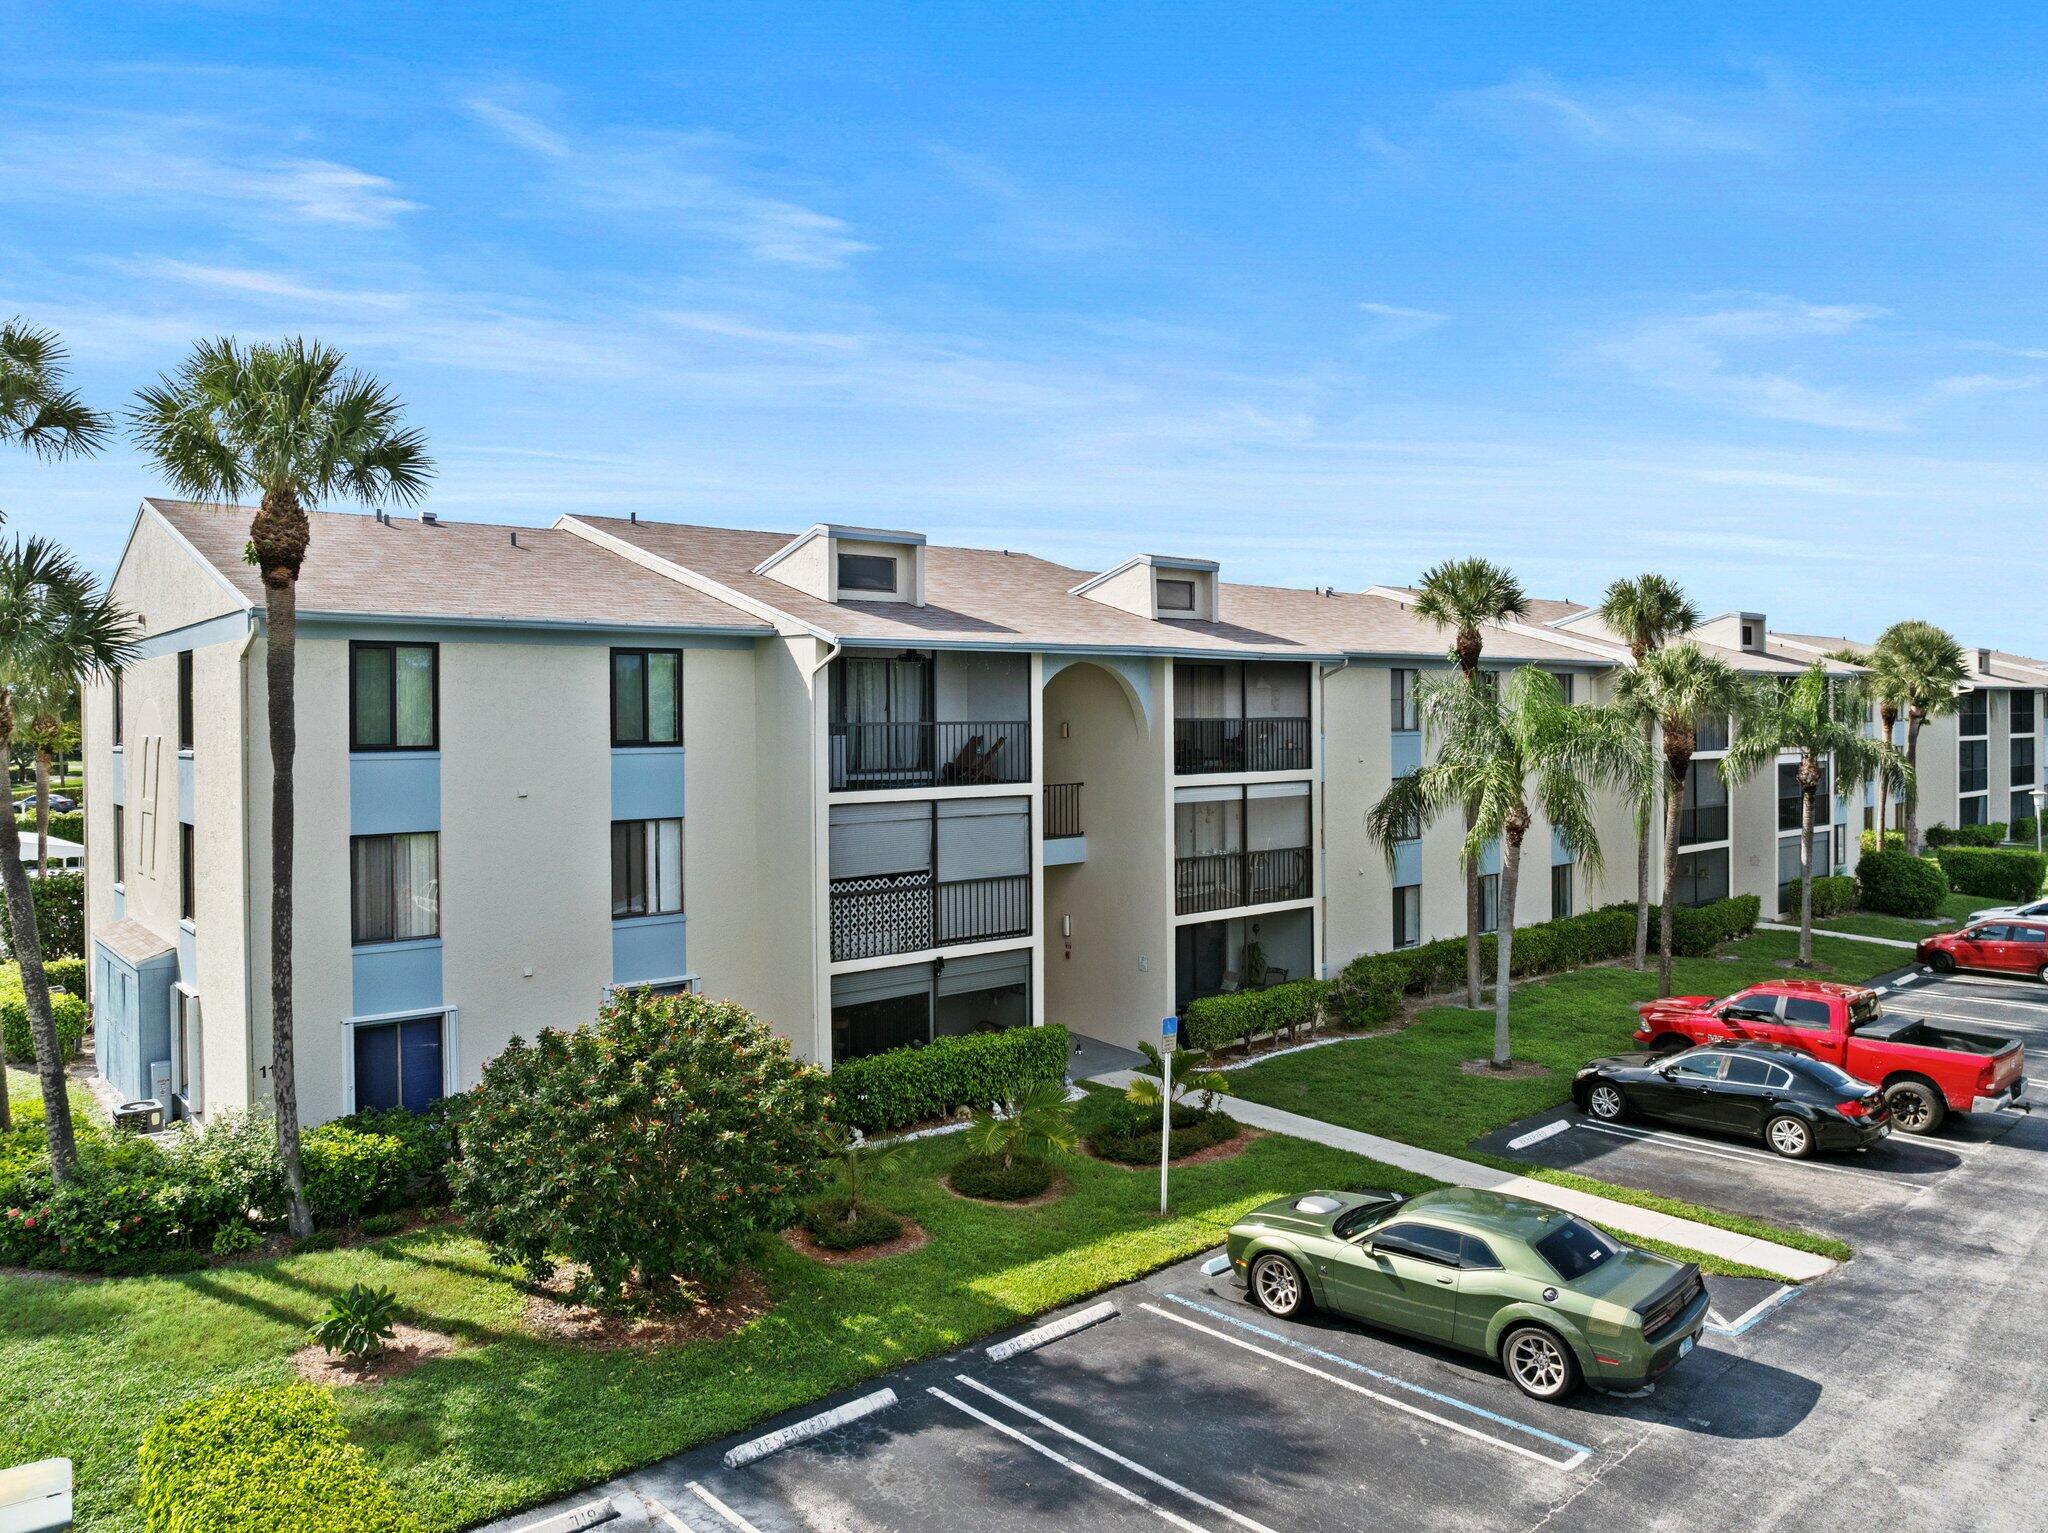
1789 1136
1606 1103
1278 1287
1540 1364
1917 1108
1942 963
2044 973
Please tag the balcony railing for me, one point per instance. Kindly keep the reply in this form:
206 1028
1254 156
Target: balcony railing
1226 880
1062 809
909 912
922 754
1240 745
1707 823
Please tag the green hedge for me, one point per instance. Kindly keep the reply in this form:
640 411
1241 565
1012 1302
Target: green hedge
68 825
67 1007
1369 988
1894 841
1216 1020
258 1460
1832 896
2004 875
60 917
914 1085
1899 884
2021 831
1939 836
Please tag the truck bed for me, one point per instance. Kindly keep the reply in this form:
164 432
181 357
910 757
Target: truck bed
1922 1034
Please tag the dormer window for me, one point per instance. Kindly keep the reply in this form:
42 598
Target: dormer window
1748 636
867 572
1176 596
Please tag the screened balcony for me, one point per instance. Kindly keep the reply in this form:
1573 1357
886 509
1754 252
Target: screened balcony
920 719
1240 716
1241 846
911 877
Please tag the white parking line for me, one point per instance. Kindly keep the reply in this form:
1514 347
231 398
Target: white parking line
1114 1457
1578 1456
1718 1151
1066 1463
725 1513
1752 1315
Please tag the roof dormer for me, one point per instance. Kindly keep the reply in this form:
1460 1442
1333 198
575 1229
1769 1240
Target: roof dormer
1159 586
835 564
1745 631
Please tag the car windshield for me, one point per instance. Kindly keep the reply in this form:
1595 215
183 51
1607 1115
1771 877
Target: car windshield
1574 1249
1365 1216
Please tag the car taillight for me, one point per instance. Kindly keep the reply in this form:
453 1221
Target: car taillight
1853 1108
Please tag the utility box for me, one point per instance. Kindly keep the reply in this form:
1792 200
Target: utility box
36 1498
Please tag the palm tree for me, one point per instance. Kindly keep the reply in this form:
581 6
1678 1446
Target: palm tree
1678 688
1192 1073
1818 716
36 411
50 728
1507 753
1884 682
1646 613
286 424
1030 1125
1923 665
859 1159
1465 595
55 622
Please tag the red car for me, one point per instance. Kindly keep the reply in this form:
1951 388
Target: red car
1925 1071
2002 947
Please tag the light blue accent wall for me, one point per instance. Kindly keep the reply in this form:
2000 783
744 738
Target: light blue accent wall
1560 854
186 776
391 792
1407 863
120 778
397 976
649 948
1407 751
120 903
1060 851
188 954
647 782
1489 858
131 1019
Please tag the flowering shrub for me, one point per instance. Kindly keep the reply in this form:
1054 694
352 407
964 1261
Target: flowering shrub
648 1146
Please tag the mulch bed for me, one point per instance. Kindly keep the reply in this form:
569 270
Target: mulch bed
408 1348
550 1314
913 1236
1052 1194
1233 1146
1517 1070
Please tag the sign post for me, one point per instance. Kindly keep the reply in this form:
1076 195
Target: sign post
1169 1029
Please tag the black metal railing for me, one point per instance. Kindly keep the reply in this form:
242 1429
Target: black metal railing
1062 809
1706 822
1240 745
1225 880
923 754
885 913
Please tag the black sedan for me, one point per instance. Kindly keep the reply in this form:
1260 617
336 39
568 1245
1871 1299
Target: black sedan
1794 1104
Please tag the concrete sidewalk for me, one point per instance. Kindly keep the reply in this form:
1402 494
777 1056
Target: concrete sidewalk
1647 1223
1822 931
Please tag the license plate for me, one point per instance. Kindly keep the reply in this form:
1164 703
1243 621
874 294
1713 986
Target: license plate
1685 1346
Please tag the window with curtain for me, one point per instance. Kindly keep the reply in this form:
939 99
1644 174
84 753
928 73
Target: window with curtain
1489 902
395 887
1403 714
1560 890
1408 915
647 868
394 697
647 697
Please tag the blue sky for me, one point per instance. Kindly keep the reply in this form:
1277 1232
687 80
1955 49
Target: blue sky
1324 292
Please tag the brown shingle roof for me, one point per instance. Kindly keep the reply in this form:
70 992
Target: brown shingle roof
456 570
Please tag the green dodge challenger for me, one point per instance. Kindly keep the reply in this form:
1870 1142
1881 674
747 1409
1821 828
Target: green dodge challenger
1550 1296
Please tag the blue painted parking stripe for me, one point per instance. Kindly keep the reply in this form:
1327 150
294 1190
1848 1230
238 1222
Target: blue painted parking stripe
1385 1378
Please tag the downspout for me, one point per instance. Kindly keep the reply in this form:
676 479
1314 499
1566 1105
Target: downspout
249 986
1323 675
821 969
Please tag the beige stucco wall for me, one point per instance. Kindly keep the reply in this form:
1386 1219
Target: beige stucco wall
1113 978
1936 776
1357 770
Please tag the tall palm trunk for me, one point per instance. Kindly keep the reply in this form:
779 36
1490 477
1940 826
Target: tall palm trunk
1475 911
35 986
280 534
42 811
1674 812
1642 952
1504 941
1805 871
1912 817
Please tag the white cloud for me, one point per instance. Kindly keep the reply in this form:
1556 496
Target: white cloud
1619 118
1393 322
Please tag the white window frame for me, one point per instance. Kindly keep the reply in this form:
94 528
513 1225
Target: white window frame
451 1047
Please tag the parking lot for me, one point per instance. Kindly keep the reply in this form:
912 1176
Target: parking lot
1192 1408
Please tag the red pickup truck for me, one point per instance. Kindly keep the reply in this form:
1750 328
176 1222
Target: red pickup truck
1924 1071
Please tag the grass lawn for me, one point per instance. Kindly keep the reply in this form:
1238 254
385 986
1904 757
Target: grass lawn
509 1419
1955 909
1407 1085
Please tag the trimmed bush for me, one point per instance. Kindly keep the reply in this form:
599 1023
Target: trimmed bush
256 1460
1899 884
905 1086
1894 841
2021 830
66 825
1130 1135
649 1146
67 1009
826 1220
1832 896
985 1176
60 917
352 1171
1216 1020
2001 874
1939 836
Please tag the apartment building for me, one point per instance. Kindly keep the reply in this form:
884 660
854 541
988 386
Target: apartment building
878 791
